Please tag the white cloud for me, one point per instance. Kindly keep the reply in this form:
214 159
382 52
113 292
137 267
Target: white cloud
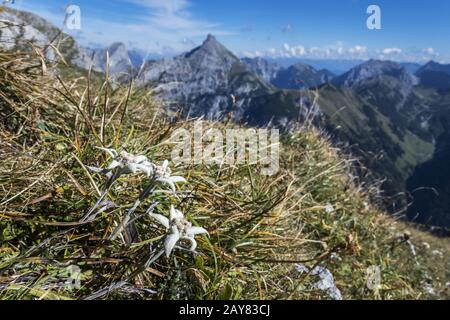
296 51
253 54
338 50
162 26
392 51
272 52
430 52
358 50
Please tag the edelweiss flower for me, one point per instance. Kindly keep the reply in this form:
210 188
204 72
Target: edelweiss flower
126 162
329 208
122 163
164 175
180 229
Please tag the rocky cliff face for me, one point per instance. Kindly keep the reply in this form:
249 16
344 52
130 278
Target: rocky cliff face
209 80
263 68
373 70
301 76
298 76
119 62
23 27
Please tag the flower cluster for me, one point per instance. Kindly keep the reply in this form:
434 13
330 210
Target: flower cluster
124 163
177 227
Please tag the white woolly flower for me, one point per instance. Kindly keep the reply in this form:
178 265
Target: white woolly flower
179 229
126 163
164 175
329 208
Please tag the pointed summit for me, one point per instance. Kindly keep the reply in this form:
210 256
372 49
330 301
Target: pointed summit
119 60
374 69
434 66
210 38
116 47
211 44
212 51
435 75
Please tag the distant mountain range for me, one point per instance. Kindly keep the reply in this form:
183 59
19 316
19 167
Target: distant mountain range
336 66
297 76
435 75
395 117
203 81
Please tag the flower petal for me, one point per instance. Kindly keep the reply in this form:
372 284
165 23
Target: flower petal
132 167
171 241
109 175
113 153
167 182
165 165
140 159
175 214
146 169
192 241
161 219
95 169
193 231
114 164
178 179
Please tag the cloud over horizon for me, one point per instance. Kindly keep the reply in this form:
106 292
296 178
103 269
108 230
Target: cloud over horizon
169 27
339 51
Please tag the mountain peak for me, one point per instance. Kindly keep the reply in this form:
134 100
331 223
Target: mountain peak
211 43
212 48
384 64
262 67
372 69
117 47
434 75
302 67
431 62
435 66
210 38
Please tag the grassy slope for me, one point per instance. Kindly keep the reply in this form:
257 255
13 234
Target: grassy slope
259 226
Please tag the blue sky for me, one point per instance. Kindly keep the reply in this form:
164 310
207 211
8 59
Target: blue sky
412 30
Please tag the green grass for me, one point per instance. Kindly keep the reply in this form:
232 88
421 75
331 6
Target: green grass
260 227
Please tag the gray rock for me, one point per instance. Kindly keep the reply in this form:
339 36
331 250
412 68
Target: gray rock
203 80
